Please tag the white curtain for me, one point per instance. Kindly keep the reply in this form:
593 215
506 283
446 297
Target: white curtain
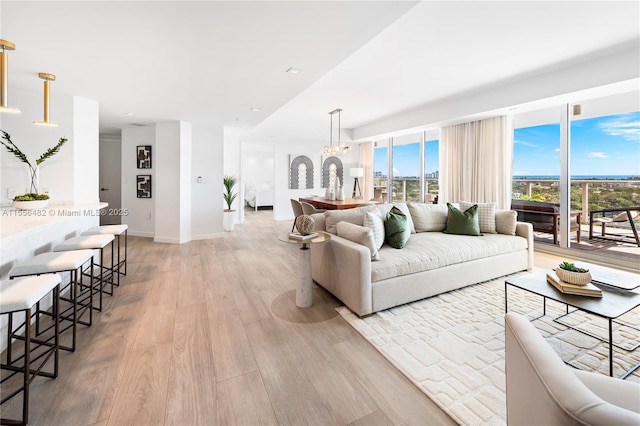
366 162
476 161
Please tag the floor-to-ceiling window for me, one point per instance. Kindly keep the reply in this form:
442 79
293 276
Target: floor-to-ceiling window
602 151
406 168
431 164
380 169
409 171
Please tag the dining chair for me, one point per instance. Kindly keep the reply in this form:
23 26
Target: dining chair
297 211
309 209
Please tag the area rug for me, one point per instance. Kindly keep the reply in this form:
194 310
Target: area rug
452 346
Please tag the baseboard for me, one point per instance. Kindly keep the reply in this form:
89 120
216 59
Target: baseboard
207 236
140 233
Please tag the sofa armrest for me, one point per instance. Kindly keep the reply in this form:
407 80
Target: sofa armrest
344 268
525 230
611 389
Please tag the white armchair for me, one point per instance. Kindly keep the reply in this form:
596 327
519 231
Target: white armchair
542 390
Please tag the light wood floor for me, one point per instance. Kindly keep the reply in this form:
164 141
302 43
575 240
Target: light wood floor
208 333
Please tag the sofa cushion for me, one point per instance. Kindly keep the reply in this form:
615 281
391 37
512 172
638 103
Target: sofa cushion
358 234
428 217
355 216
462 222
396 228
486 215
506 221
432 250
386 208
374 221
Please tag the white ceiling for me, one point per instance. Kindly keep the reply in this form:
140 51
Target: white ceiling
213 61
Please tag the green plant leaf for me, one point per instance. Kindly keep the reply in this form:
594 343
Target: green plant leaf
51 151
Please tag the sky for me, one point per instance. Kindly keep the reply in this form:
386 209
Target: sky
406 159
608 145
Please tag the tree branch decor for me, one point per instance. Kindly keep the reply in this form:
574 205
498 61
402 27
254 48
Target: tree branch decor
12 148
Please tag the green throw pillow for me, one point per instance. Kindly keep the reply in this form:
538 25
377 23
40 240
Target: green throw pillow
462 223
396 228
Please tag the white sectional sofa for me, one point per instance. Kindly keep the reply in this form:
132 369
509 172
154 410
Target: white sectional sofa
431 262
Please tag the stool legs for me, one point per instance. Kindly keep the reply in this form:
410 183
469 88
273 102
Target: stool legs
29 373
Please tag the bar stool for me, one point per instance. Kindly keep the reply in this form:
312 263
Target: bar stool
117 231
71 262
20 296
93 242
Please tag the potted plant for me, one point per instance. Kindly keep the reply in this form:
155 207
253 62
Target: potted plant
32 199
228 217
570 273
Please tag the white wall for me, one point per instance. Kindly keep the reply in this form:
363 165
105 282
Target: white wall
141 211
60 175
282 209
207 154
85 151
258 166
172 192
231 164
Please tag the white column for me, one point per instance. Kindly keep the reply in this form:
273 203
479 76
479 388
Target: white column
172 187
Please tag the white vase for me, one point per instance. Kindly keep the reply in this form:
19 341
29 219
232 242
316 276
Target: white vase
341 194
327 194
228 220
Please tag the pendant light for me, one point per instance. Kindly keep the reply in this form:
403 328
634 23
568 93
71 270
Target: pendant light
340 148
4 76
47 78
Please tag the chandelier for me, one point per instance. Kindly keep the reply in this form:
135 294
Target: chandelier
340 148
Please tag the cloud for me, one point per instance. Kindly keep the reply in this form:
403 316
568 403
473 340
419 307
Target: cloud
526 143
556 150
597 155
395 172
627 126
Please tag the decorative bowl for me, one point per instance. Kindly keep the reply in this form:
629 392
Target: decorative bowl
571 277
30 205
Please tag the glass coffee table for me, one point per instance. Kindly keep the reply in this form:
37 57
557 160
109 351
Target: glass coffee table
620 295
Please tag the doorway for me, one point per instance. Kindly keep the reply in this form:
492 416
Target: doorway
110 177
257 177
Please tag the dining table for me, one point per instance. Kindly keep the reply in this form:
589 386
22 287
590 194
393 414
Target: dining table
347 203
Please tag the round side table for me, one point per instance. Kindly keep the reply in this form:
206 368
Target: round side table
304 294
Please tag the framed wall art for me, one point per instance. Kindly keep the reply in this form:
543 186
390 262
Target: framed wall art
144 156
143 186
300 172
331 169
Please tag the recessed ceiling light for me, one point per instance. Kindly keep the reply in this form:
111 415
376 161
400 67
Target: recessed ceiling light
129 114
254 109
293 70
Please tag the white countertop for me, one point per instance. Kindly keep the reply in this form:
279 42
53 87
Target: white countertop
14 221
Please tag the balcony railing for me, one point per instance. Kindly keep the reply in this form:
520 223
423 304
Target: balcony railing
407 188
586 194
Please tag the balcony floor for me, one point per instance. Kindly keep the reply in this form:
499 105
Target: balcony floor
618 243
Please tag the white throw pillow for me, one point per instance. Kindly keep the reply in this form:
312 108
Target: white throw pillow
355 216
385 208
486 215
373 221
428 217
358 234
506 221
